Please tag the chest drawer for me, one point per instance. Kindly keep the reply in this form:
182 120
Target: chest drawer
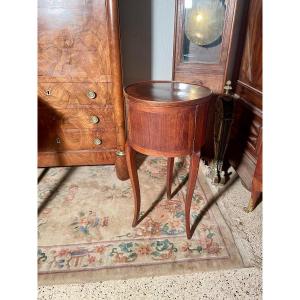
67 95
76 118
84 140
68 140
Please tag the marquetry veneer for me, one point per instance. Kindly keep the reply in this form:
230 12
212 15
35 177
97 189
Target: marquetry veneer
80 100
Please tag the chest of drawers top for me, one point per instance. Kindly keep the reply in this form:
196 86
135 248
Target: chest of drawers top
73 41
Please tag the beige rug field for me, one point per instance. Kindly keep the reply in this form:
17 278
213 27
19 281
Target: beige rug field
85 233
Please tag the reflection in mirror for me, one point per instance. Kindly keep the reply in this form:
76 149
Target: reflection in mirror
203 27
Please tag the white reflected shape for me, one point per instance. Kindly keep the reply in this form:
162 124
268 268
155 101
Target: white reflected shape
188 3
182 86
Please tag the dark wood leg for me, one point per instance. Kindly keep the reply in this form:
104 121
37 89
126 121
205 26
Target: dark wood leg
255 195
193 173
170 166
132 170
256 184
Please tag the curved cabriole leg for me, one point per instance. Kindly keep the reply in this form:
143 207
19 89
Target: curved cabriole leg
253 201
132 170
193 173
255 195
170 166
256 184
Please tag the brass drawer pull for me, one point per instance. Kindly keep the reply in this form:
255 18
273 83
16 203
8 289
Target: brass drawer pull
94 119
91 94
97 141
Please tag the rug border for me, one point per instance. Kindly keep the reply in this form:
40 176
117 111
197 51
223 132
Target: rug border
234 260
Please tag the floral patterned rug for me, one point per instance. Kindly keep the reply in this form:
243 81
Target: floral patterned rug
85 217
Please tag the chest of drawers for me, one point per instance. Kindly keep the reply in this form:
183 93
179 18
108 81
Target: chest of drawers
80 101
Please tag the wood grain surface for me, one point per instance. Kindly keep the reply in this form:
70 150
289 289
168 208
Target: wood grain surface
68 95
80 85
251 67
73 40
166 119
212 75
76 158
117 88
247 128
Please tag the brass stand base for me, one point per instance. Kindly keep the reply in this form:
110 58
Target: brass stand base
217 177
250 206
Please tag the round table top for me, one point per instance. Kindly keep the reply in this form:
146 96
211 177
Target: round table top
167 91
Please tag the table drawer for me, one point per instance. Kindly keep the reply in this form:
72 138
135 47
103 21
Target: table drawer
68 95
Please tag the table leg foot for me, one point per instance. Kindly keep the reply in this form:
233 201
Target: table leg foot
134 223
255 196
193 173
170 166
132 170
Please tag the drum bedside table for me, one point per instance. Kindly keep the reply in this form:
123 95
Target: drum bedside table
166 119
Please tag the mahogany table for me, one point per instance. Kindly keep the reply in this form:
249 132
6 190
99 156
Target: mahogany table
166 119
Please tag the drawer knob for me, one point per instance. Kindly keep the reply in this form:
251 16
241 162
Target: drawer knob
91 94
97 141
94 119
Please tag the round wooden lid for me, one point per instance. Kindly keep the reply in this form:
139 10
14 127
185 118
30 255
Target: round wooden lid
167 91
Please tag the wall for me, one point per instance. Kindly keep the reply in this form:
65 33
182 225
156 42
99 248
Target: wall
163 15
146 28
